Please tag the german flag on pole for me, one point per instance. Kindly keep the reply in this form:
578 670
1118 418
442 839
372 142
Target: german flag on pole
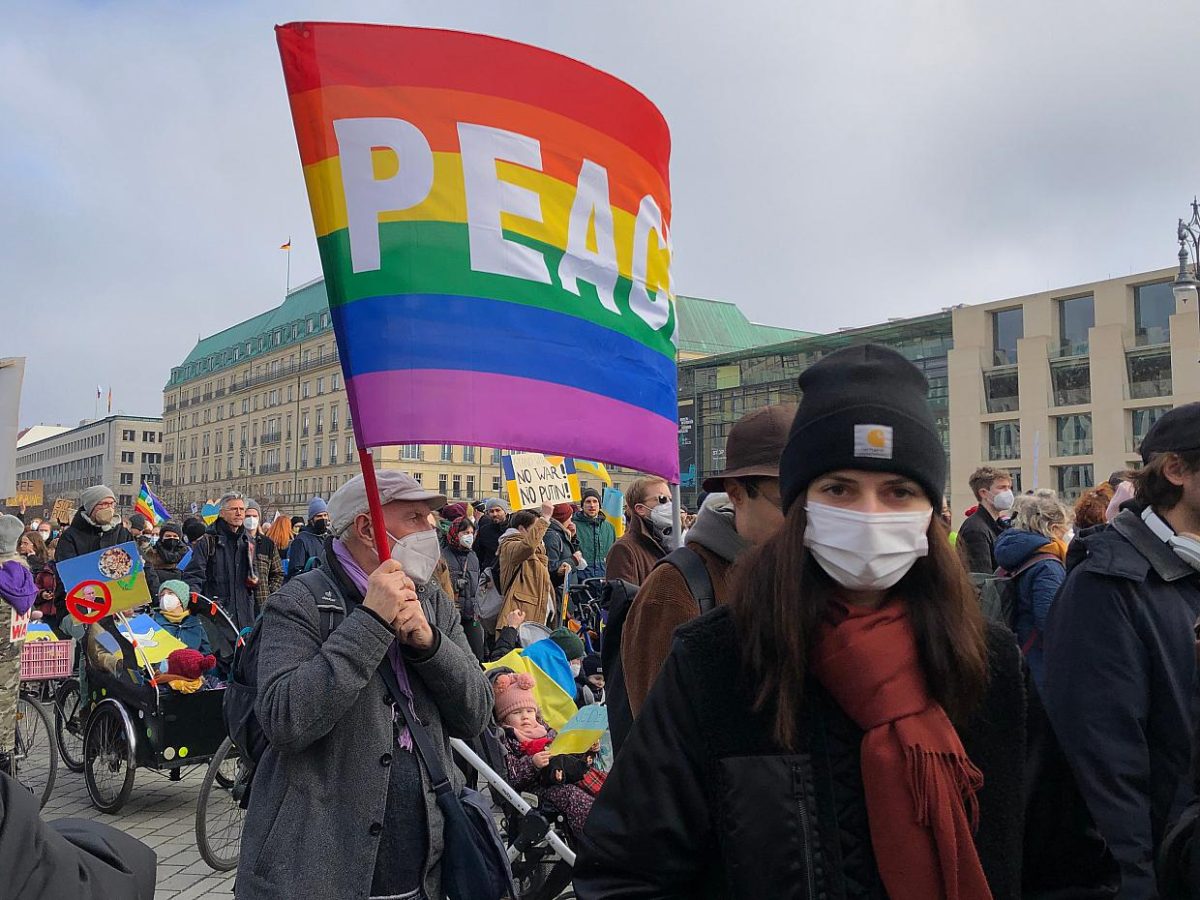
287 246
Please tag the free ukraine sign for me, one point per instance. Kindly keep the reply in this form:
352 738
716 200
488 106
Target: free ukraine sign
471 193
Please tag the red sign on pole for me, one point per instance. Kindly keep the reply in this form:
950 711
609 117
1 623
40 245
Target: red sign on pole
89 601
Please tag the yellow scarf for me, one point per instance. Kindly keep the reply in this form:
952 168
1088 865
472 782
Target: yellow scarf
175 616
1057 547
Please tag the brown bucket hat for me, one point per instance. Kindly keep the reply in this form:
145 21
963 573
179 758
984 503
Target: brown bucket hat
754 445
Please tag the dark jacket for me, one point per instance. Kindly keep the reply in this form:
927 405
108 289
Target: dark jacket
596 537
268 567
559 550
304 546
73 858
463 567
634 554
487 541
164 562
1037 587
702 803
977 540
82 538
218 570
190 630
1120 687
328 714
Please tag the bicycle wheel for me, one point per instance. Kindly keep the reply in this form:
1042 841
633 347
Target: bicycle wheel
36 755
108 760
68 724
219 814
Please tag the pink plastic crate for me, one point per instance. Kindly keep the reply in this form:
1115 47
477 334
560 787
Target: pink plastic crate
44 660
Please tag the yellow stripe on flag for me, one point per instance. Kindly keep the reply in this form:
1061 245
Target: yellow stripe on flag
556 705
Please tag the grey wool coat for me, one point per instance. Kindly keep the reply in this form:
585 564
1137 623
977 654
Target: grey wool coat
320 790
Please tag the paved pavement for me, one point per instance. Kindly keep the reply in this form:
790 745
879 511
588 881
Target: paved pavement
163 814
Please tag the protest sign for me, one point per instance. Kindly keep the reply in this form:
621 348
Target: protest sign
151 643
12 374
531 480
64 511
28 493
473 191
105 582
17 627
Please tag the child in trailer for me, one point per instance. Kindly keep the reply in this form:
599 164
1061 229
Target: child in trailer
567 781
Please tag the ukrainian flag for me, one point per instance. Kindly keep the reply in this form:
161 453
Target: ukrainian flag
613 507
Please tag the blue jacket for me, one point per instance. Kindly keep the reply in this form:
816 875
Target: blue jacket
1037 587
1121 687
190 631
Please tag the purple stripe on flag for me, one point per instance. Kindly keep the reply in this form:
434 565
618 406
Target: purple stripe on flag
410 406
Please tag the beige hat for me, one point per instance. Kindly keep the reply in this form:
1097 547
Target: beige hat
350 500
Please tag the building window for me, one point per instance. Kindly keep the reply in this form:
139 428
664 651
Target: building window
457 482
1141 421
1153 305
1072 383
126 456
126 478
333 453
1073 435
334 381
447 453
410 451
1001 391
470 487
320 385
496 484
128 435
148 437
468 457
1004 440
304 424
333 417
304 456
496 457
304 394
442 482
125 500
1074 480
417 477
320 419
1075 316
1008 327
1149 374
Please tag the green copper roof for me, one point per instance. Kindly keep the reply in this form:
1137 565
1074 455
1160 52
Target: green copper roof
705 327
716 326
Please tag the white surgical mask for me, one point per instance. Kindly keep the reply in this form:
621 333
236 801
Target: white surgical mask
1003 500
866 551
466 541
168 602
576 667
418 553
251 523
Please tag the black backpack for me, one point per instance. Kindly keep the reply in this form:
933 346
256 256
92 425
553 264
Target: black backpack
241 688
618 597
999 595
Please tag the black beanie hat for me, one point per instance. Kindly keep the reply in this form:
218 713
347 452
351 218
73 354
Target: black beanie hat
1178 431
863 407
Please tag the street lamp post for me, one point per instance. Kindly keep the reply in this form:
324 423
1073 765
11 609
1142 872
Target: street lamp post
1186 284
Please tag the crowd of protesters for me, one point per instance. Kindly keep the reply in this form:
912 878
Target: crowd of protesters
826 702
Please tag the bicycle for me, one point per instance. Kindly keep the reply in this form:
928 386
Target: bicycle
35 757
221 810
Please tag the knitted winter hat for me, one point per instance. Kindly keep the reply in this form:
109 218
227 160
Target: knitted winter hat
93 495
176 587
170 528
563 512
590 492
864 407
569 641
138 521
494 503
592 665
188 663
316 506
193 529
11 529
513 692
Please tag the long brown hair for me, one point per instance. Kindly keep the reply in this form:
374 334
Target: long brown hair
781 594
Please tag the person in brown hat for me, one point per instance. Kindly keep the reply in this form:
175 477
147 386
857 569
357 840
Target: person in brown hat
742 510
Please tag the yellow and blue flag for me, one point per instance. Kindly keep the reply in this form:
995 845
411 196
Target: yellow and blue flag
613 506
556 704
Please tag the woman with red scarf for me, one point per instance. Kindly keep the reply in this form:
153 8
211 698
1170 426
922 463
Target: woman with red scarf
848 726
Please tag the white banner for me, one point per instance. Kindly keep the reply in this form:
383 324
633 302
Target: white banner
12 373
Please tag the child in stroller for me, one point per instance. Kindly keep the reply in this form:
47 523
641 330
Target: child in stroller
568 782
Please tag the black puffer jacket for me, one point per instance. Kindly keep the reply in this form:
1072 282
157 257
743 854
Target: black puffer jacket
1121 686
82 538
218 570
702 803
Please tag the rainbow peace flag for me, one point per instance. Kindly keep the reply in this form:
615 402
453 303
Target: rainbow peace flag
472 191
150 506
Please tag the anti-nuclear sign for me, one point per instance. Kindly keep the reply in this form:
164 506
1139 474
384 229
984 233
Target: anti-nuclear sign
530 480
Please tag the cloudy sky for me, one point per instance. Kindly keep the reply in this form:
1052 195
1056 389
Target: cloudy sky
834 163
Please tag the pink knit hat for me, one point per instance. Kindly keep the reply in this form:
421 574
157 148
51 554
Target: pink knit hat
513 692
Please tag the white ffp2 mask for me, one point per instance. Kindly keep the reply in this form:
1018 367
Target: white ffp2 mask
866 551
418 553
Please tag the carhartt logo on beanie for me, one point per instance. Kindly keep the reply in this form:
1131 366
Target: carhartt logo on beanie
864 408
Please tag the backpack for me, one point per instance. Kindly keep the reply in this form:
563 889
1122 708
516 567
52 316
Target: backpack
241 688
999 595
618 598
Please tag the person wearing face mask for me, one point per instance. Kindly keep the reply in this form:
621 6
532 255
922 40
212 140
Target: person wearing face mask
847 724
95 526
976 540
647 537
308 546
173 616
342 762
462 566
264 556
1033 549
221 567
167 552
742 511
524 572
1120 653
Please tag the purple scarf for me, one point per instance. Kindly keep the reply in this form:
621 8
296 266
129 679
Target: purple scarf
16 587
359 578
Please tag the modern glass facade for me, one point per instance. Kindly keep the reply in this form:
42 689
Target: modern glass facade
716 391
